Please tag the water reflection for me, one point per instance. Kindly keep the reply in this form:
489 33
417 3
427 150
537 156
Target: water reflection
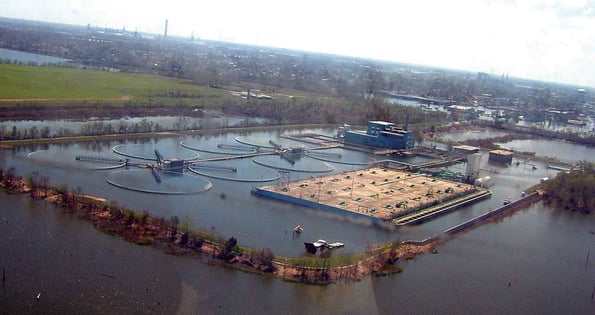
564 151
130 124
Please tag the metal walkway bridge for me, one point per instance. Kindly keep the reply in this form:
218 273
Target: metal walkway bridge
213 167
100 159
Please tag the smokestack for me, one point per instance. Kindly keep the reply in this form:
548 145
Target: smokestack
165 34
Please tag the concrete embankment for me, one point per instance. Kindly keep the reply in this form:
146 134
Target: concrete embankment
482 219
434 211
312 204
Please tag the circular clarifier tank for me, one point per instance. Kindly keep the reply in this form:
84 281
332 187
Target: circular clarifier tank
147 151
165 182
225 148
293 163
239 170
341 156
81 159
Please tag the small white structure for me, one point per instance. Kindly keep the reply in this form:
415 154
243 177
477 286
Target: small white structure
484 182
342 130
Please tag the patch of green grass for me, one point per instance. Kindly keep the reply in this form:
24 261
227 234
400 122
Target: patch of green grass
60 85
312 261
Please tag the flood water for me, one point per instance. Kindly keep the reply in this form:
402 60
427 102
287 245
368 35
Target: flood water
71 127
533 262
564 151
472 135
24 57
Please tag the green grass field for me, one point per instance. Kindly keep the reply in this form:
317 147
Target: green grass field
62 85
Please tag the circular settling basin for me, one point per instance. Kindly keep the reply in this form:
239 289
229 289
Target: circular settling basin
80 159
341 156
146 151
264 141
238 170
303 164
226 148
172 183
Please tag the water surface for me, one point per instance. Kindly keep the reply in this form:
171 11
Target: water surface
540 251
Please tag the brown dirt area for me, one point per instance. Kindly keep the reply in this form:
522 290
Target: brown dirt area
376 192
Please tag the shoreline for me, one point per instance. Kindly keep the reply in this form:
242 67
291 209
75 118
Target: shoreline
143 229
9 144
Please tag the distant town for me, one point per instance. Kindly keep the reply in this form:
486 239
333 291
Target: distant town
329 86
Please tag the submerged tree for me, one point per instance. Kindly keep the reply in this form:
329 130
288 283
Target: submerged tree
573 190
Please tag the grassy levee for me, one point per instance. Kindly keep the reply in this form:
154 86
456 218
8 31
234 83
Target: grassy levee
49 85
312 261
336 260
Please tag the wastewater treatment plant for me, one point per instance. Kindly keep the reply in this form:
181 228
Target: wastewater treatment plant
382 186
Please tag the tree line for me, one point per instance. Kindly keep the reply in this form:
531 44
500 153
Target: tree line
573 190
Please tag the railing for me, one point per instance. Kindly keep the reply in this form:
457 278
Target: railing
99 159
214 167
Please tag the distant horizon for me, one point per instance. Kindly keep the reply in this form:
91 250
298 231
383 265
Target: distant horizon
428 67
547 41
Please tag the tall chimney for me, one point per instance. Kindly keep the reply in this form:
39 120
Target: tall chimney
165 34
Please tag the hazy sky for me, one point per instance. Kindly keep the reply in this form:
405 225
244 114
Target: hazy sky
550 40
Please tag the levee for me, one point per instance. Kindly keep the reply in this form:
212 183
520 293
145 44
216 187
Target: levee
477 220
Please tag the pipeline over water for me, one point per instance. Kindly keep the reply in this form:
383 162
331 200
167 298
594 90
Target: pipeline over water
238 140
156 174
228 152
159 156
324 154
276 146
237 147
339 162
213 167
235 157
99 159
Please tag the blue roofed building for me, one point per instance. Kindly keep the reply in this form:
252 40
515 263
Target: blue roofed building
382 134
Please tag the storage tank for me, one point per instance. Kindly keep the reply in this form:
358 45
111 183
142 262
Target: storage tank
473 165
485 181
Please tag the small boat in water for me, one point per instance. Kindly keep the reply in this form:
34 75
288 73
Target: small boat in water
298 229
